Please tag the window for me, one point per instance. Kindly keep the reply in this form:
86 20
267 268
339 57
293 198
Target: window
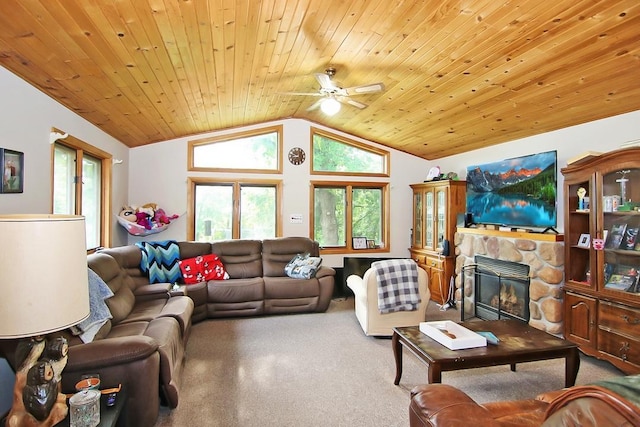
342 211
80 174
253 151
223 209
337 155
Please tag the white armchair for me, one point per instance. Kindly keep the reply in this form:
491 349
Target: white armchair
372 321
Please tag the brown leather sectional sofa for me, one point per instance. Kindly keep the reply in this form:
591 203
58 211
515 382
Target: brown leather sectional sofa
143 346
607 403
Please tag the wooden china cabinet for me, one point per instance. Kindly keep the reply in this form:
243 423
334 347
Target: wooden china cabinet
602 293
436 205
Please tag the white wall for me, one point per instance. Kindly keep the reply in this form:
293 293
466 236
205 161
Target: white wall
158 173
26 118
600 135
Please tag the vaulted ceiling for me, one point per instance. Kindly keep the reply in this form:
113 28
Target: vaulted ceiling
459 75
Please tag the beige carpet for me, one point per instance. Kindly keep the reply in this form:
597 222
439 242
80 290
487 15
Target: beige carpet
321 370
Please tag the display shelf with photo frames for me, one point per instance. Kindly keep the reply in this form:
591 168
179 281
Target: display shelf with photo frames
602 279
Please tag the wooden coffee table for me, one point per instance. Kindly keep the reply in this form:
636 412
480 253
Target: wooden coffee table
519 343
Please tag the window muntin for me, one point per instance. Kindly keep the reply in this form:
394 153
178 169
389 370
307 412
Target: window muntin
255 151
222 209
337 155
342 211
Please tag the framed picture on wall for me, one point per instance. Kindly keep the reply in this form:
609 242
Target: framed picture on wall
12 171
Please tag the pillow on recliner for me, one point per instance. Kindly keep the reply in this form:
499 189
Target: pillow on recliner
302 266
202 268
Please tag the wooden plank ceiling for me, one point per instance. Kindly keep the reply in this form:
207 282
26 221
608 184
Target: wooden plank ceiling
459 75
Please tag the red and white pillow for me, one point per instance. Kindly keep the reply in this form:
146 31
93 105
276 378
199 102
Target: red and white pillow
202 268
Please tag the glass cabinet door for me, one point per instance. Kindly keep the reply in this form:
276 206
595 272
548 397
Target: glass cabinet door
429 220
581 265
620 222
441 212
417 224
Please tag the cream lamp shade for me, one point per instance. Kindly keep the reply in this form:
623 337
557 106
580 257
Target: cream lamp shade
43 274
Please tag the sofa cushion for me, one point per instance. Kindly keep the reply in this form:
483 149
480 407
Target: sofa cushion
193 249
287 287
123 300
129 329
241 258
236 290
178 307
276 253
128 258
166 332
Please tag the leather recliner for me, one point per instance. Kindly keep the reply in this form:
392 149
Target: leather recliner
607 403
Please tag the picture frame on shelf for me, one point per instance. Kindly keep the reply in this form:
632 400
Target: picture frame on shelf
12 171
584 241
359 242
371 244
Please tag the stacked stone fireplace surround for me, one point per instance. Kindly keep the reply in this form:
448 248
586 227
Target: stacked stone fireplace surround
546 261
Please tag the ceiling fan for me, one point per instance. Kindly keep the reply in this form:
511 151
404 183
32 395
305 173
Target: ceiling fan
332 94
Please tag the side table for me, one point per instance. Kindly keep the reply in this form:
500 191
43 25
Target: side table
110 416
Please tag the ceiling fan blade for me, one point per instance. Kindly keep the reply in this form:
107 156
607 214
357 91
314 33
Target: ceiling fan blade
325 81
315 105
301 93
353 103
374 87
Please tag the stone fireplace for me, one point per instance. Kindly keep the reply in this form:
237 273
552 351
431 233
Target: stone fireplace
542 255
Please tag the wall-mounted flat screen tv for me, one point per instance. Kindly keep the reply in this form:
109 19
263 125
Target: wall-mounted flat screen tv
517 192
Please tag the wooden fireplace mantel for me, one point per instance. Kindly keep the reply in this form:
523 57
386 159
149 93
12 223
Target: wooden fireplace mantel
543 237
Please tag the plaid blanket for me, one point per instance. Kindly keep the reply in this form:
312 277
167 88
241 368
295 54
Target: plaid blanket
397 285
160 261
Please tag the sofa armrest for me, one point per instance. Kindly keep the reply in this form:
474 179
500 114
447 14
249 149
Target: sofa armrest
593 405
153 291
324 271
356 284
107 352
444 405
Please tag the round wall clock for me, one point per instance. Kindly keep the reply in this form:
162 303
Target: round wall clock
296 156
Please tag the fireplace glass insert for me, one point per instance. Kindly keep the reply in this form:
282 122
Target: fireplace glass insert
501 289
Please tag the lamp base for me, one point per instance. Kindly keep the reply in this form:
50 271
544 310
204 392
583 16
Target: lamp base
19 417
37 401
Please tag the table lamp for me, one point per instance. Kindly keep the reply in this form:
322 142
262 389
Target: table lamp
44 285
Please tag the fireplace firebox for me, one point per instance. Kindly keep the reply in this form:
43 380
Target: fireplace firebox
500 288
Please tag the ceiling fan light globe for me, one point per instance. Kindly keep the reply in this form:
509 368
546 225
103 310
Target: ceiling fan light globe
330 106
